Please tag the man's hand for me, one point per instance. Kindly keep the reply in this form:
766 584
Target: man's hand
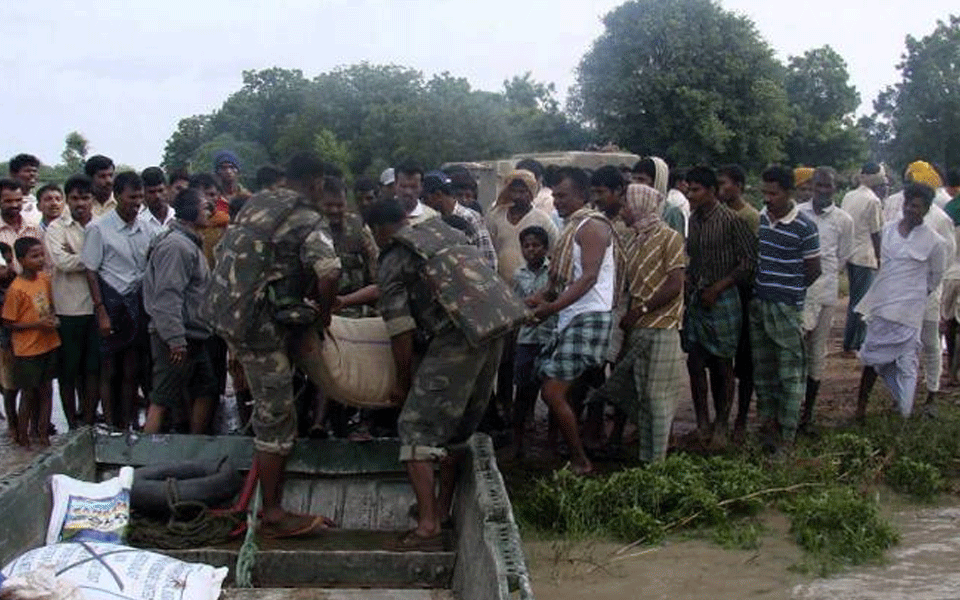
50 321
708 297
178 354
543 311
103 322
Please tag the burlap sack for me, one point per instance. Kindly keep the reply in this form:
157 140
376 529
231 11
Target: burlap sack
354 363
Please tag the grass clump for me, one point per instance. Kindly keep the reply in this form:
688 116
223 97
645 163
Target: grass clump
644 503
920 480
838 526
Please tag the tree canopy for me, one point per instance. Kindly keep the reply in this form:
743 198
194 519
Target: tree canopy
687 80
366 117
919 117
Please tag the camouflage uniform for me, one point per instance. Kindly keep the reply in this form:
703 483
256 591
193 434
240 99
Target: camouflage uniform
268 261
452 385
358 259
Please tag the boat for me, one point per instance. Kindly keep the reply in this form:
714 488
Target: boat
361 485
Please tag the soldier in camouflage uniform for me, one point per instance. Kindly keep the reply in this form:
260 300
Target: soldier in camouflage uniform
444 400
278 253
357 289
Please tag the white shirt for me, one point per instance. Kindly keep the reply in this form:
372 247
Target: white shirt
420 213
599 298
942 224
909 267
864 207
152 223
835 228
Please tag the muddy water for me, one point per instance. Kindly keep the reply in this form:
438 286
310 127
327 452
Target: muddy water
923 566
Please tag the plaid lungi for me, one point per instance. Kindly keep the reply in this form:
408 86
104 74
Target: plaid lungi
579 346
716 329
779 362
645 384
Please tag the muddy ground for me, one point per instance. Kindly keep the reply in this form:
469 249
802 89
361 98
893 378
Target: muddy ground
921 567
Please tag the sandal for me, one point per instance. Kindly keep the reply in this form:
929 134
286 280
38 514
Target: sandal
411 542
316 526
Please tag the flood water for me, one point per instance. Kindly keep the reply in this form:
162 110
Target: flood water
924 566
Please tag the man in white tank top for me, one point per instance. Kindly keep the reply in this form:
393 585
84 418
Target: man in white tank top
583 277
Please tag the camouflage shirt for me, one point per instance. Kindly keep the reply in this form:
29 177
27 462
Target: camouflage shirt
280 245
358 255
407 301
431 276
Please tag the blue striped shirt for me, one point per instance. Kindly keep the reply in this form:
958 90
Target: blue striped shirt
784 246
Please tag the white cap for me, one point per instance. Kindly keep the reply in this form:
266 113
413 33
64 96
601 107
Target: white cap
387 177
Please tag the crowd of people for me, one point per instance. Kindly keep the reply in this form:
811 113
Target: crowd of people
591 290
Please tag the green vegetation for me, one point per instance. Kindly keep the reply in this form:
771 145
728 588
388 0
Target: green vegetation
827 490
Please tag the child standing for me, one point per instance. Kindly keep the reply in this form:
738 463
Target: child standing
527 281
28 311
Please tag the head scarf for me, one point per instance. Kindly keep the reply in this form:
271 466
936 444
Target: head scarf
923 172
802 175
645 204
522 175
663 175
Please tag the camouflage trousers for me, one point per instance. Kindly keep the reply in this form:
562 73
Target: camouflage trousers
269 377
448 396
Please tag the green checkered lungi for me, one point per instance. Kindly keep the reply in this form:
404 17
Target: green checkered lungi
645 384
779 363
582 344
716 329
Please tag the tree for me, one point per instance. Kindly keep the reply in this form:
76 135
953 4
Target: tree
923 109
535 118
822 102
75 152
684 79
191 133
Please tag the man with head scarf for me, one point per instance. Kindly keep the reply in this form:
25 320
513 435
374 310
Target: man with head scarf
803 182
919 171
912 263
863 206
645 382
512 213
653 171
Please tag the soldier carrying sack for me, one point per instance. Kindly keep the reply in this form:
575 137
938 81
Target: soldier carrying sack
473 295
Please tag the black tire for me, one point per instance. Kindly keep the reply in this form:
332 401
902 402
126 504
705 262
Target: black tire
211 482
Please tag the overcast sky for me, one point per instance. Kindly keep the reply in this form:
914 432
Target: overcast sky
123 72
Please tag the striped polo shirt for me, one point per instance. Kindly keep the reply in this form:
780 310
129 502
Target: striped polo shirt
784 245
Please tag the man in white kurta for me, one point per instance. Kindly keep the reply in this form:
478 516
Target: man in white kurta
913 260
835 227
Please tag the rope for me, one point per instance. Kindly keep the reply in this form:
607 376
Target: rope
191 525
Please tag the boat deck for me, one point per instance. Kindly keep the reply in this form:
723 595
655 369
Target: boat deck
334 594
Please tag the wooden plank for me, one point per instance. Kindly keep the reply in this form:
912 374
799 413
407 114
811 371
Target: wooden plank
322 457
335 594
